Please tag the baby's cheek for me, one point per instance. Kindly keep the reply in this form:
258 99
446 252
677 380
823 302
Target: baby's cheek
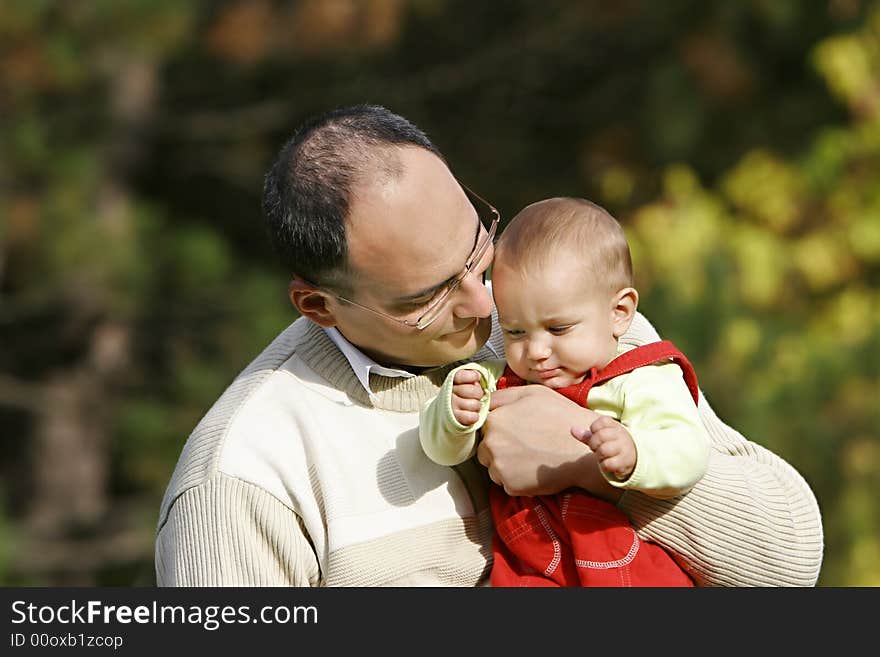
515 363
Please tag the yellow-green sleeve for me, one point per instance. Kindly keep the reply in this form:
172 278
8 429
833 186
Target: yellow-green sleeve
672 444
444 439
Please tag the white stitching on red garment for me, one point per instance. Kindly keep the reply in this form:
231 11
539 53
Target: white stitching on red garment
557 551
633 550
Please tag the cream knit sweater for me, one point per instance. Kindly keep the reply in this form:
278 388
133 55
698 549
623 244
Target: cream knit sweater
294 477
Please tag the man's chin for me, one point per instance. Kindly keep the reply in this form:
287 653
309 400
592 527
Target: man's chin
475 336
467 341
482 331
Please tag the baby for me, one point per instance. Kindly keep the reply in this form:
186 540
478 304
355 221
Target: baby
562 283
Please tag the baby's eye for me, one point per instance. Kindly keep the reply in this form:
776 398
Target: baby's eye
514 333
559 330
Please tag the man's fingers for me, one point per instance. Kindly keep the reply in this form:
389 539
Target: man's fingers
508 396
483 455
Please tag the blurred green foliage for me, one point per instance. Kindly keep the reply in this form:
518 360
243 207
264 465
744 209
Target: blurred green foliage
780 259
738 143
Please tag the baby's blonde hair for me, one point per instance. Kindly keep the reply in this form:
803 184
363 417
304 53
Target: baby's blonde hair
547 231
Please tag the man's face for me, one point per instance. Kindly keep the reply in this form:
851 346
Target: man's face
556 323
406 239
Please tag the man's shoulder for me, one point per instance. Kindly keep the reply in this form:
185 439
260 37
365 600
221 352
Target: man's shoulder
640 332
203 451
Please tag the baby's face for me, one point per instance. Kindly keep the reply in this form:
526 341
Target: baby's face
556 326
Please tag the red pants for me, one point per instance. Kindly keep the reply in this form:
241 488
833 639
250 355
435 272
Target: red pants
573 539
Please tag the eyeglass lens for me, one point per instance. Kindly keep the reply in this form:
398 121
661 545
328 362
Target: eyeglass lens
488 220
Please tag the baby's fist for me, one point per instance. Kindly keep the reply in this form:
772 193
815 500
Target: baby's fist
467 394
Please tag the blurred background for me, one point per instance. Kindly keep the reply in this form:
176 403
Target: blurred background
737 142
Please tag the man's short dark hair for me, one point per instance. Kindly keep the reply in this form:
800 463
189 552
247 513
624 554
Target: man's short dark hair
307 192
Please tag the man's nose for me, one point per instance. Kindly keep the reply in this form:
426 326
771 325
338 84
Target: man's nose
474 299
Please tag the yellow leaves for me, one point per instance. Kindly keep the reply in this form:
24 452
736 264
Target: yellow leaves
766 189
864 236
858 504
616 184
845 64
823 259
790 359
850 64
680 182
761 264
851 317
740 340
861 457
689 228
675 241
864 560
771 241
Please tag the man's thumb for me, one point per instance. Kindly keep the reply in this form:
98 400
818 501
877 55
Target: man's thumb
505 396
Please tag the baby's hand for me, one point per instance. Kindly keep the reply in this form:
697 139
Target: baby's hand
614 447
466 395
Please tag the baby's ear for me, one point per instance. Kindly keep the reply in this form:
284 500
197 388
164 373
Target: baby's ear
623 310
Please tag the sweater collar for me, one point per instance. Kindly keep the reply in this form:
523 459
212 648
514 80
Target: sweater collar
391 393
361 364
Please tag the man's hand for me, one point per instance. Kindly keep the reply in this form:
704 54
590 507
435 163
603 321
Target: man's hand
613 446
466 395
528 446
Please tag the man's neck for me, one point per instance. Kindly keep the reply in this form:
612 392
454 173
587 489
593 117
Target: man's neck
383 361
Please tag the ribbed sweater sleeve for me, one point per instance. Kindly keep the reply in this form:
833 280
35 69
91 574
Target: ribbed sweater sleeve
218 530
752 520
226 532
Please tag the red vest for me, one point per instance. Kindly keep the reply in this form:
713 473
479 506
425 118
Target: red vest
647 354
574 538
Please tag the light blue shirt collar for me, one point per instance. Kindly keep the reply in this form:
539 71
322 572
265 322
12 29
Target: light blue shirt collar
362 364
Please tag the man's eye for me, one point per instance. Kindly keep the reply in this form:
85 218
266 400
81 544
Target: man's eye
421 302
434 297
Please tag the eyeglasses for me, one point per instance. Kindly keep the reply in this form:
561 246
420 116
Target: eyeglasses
433 308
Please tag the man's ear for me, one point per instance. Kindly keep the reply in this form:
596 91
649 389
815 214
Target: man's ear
623 310
311 302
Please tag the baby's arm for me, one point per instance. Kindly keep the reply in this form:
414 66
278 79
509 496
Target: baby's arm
671 444
448 423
